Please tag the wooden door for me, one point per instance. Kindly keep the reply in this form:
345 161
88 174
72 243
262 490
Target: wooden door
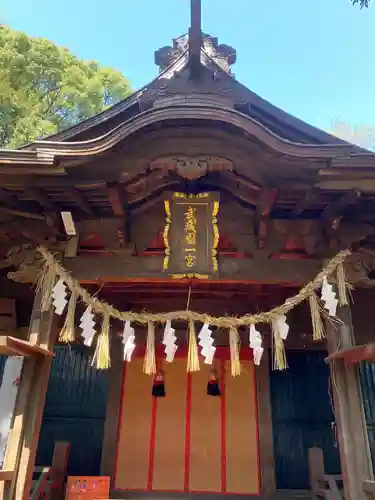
75 410
302 418
188 441
367 378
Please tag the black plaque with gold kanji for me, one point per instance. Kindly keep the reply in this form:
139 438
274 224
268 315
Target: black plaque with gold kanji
191 235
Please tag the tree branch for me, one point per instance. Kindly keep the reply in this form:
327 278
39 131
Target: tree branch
362 3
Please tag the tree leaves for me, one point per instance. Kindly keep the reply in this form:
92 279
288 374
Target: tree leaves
45 89
362 3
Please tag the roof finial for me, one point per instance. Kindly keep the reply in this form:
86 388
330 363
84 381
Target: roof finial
195 33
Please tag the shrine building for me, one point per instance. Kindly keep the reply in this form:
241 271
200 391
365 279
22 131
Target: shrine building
193 213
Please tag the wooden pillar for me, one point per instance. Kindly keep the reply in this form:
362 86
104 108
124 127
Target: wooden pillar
316 470
266 451
116 372
60 465
24 433
349 411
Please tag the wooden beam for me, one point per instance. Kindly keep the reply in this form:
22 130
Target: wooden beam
303 203
107 229
33 386
316 470
334 212
116 199
32 427
44 201
127 267
34 230
6 475
195 33
59 467
72 245
369 486
81 201
12 453
349 411
27 402
354 355
116 372
264 208
20 213
12 201
8 198
266 451
11 346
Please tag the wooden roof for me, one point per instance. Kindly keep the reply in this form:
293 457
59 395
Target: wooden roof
193 128
246 101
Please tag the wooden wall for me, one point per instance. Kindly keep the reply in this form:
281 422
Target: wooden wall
363 315
188 441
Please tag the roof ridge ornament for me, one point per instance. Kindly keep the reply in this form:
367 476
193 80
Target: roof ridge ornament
195 35
194 42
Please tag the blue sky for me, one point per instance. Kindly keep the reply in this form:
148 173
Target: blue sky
313 58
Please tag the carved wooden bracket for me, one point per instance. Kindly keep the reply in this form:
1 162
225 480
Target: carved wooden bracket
359 268
192 167
28 262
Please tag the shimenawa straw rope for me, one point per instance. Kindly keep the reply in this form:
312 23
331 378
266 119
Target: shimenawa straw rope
52 269
101 307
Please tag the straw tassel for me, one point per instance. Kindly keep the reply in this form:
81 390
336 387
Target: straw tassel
342 285
46 282
279 360
101 358
193 360
234 344
67 331
316 318
149 364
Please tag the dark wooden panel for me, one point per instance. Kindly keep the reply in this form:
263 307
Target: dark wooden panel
367 378
75 388
2 366
75 410
115 379
119 269
302 418
85 436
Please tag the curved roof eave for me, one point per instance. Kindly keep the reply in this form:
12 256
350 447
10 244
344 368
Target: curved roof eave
261 108
117 108
48 151
277 113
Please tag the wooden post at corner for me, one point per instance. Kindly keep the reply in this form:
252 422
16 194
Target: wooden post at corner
349 411
24 433
266 450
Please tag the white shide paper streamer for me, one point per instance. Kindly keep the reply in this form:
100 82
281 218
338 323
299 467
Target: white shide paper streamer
87 325
59 297
255 342
329 298
128 339
169 341
207 343
282 326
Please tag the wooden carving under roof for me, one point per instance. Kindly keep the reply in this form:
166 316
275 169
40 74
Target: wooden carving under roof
192 167
290 189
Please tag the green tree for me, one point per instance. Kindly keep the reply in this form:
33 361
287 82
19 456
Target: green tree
362 3
45 89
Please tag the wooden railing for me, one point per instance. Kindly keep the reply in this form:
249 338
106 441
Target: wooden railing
323 486
329 487
51 481
42 487
369 488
